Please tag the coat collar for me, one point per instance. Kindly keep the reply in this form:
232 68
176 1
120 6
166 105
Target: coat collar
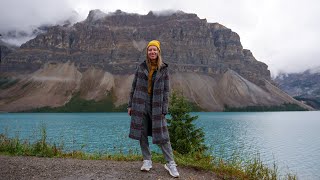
159 72
144 67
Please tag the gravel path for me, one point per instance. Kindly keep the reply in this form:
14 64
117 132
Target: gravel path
22 167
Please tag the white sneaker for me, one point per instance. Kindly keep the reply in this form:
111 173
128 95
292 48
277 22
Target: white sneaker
147 165
172 168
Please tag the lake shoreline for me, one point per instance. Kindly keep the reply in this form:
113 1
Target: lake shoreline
287 138
29 167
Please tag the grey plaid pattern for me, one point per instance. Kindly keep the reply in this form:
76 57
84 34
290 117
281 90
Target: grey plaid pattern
138 97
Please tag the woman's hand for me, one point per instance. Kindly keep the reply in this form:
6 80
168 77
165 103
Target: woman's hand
129 111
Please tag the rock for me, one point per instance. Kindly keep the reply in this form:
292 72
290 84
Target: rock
304 86
113 42
5 49
103 51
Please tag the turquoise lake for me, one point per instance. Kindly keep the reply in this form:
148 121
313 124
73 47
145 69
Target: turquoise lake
291 139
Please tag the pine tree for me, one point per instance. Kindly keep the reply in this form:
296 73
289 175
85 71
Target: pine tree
185 137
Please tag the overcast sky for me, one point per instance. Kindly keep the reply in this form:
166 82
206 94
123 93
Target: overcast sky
284 34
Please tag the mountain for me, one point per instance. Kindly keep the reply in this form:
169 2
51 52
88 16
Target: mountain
303 86
97 57
19 35
5 49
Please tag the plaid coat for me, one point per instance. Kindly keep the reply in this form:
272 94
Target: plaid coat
138 98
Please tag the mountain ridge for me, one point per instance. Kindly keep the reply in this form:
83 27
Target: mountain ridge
103 51
304 86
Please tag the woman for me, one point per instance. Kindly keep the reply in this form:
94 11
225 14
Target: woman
148 105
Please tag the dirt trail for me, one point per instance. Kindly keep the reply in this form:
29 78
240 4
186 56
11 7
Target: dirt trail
21 167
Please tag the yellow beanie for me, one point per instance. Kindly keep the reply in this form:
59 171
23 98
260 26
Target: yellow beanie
154 43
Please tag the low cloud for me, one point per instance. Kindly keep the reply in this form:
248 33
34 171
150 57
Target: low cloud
281 33
166 12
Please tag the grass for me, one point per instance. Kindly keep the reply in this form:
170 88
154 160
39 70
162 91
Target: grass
234 168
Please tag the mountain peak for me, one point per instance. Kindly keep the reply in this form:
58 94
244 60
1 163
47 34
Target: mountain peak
104 51
115 41
95 15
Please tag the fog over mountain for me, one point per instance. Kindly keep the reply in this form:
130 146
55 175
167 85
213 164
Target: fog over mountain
303 86
281 33
96 59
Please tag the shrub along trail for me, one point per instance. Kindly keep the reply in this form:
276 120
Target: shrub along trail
26 167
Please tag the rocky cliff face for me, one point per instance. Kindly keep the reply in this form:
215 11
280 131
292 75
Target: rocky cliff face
304 86
103 51
115 43
5 49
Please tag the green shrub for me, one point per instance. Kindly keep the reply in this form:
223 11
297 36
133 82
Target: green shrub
78 104
235 168
283 107
184 136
